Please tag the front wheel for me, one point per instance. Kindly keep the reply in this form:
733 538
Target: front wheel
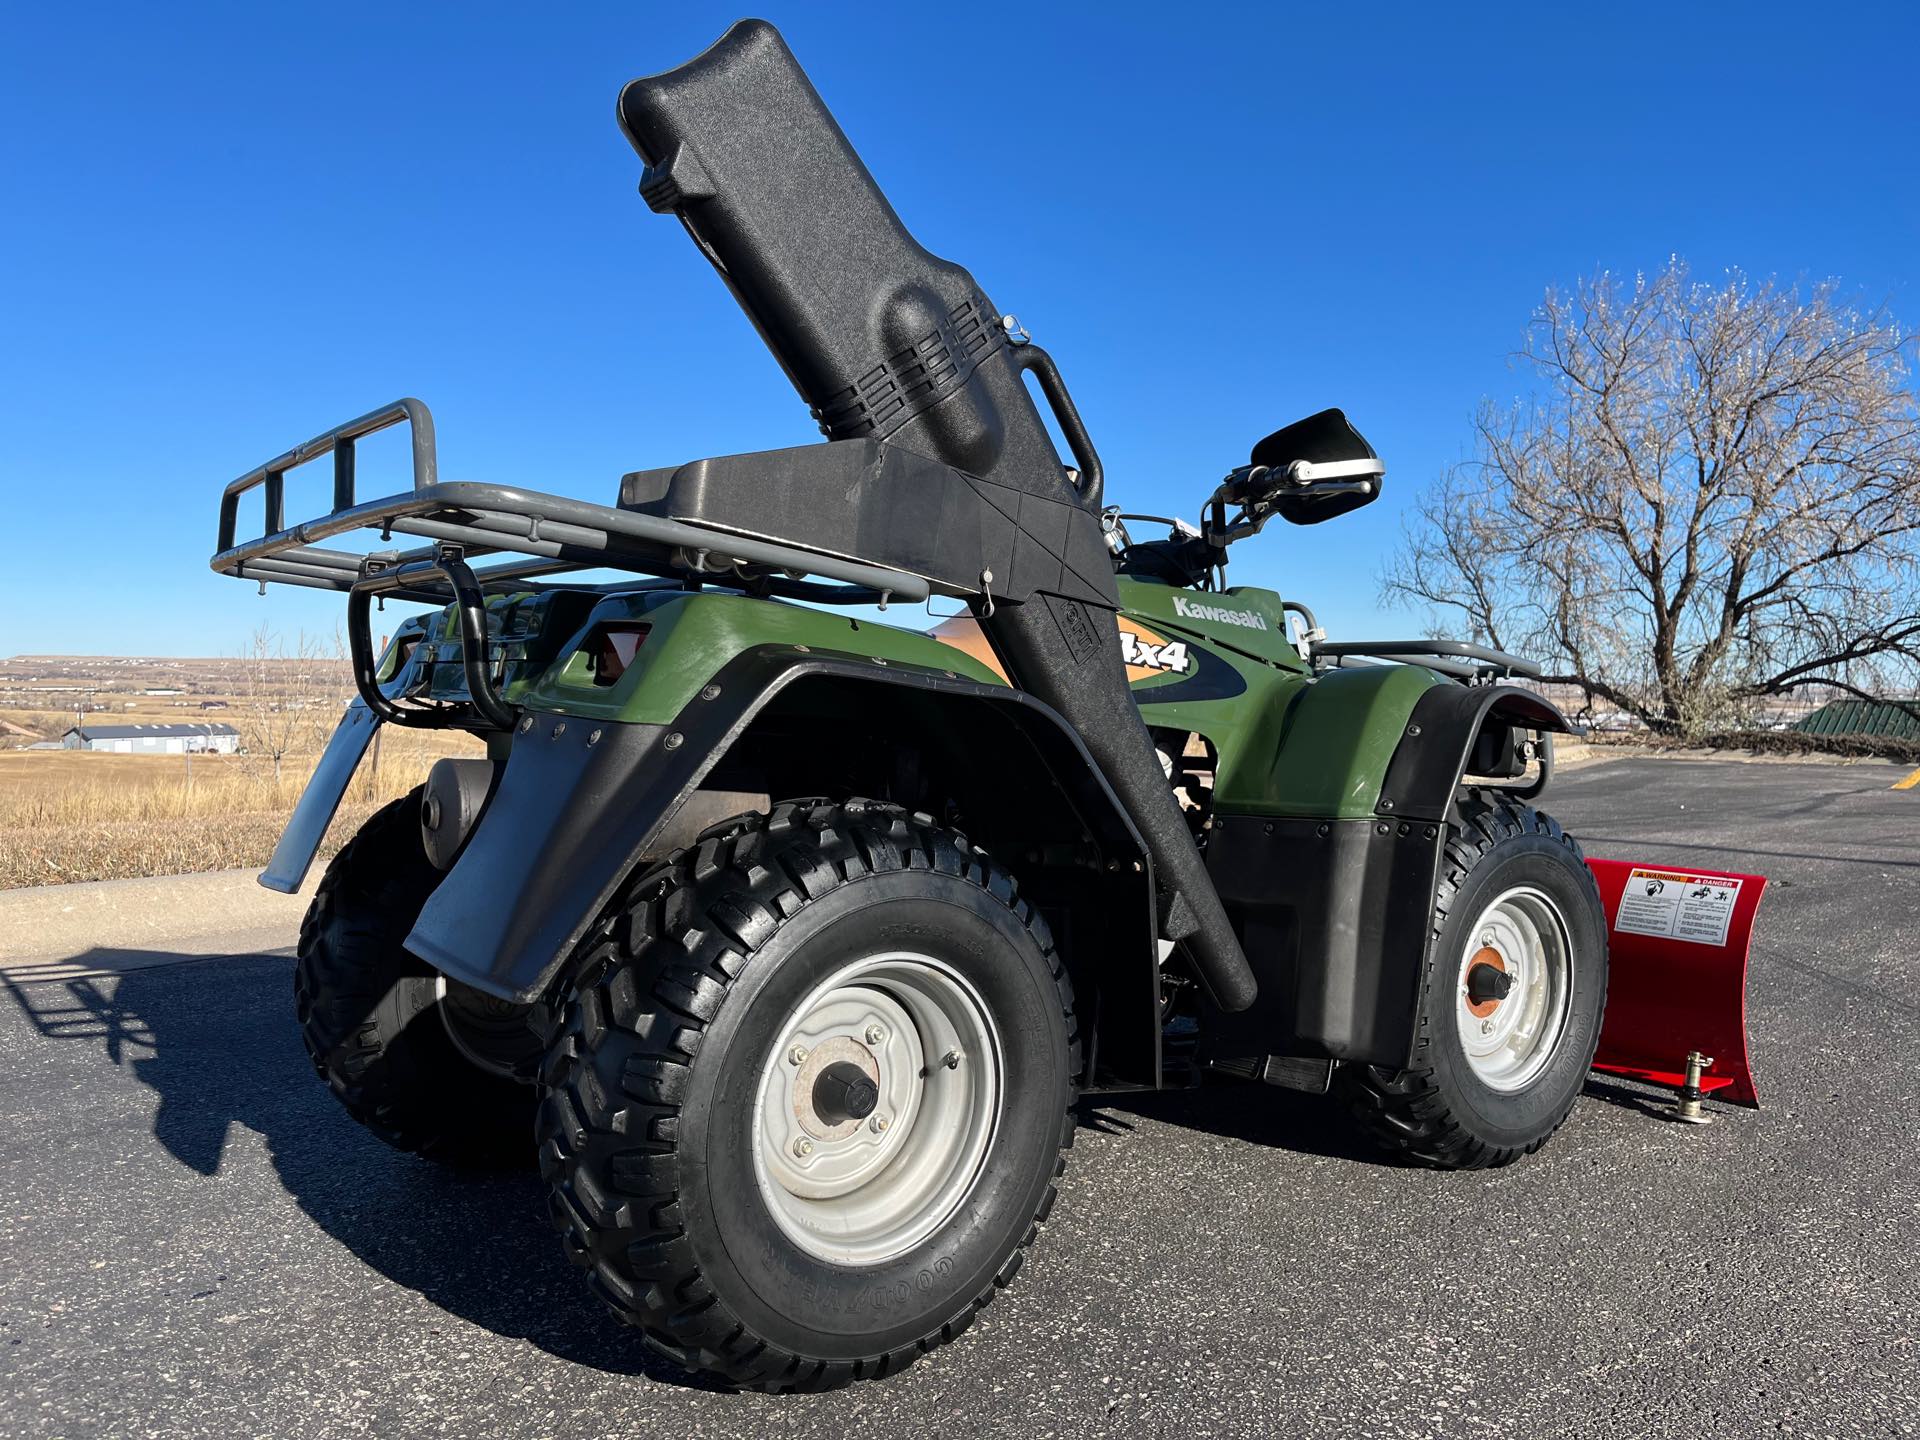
1511 1005
807 1104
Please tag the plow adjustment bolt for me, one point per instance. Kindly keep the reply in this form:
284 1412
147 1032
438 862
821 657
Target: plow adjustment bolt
1488 982
797 1055
674 740
1686 1105
803 1147
711 692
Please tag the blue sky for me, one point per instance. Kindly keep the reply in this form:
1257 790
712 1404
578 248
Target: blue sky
225 228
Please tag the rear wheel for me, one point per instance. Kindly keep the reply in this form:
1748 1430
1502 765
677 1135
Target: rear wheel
1511 1005
427 1064
780 1123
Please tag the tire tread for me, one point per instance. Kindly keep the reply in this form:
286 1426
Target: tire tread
684 930
1407 1111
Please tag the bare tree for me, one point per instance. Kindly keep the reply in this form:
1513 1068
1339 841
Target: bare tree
1712 497
291 696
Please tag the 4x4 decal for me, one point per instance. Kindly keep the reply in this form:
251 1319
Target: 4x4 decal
1148 654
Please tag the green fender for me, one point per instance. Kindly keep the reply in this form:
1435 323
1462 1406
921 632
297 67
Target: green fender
1337 733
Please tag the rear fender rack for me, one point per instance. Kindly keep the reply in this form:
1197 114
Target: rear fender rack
544 535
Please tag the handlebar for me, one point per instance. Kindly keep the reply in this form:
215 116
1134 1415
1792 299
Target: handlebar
1255 485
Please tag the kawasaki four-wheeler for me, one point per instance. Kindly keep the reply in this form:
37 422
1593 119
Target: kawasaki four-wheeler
785 939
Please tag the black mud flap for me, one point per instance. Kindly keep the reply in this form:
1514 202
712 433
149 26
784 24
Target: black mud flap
1335 915
575 801
300 841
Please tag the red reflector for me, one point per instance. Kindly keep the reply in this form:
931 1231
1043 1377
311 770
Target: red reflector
611 648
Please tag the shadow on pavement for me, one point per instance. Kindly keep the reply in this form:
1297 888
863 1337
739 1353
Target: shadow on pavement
1243 1110
225 1051
1289 1120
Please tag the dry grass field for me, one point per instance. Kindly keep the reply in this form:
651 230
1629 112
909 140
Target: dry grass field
69 815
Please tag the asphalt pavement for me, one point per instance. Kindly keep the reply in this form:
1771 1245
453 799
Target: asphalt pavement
194 1240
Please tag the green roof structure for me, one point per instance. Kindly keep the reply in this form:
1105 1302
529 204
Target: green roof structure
1863 717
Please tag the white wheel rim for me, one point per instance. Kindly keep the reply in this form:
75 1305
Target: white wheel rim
862 1191
1509 1040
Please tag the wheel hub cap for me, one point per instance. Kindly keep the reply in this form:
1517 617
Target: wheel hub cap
1514 988
876 1108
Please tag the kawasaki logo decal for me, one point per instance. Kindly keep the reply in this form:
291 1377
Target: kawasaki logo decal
1219 614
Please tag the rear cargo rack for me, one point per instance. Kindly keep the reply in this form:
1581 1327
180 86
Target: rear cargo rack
551 534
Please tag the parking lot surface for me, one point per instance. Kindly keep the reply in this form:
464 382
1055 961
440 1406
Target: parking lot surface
194 1240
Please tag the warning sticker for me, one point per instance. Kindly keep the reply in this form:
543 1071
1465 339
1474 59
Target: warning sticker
1697 908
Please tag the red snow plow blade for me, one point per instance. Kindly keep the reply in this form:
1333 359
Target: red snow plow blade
1677 979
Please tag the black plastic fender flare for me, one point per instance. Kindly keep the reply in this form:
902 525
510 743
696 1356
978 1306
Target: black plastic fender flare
1431 758
579 799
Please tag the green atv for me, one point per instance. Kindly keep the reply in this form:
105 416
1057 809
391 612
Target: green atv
786 940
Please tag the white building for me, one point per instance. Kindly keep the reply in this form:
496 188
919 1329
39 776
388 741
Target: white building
201 739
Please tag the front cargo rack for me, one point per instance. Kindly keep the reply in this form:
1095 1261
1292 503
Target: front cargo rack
1460 659
537 534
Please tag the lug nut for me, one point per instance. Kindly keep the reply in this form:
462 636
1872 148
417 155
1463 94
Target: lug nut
875 1034
803 1148
797 1055
878 1124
